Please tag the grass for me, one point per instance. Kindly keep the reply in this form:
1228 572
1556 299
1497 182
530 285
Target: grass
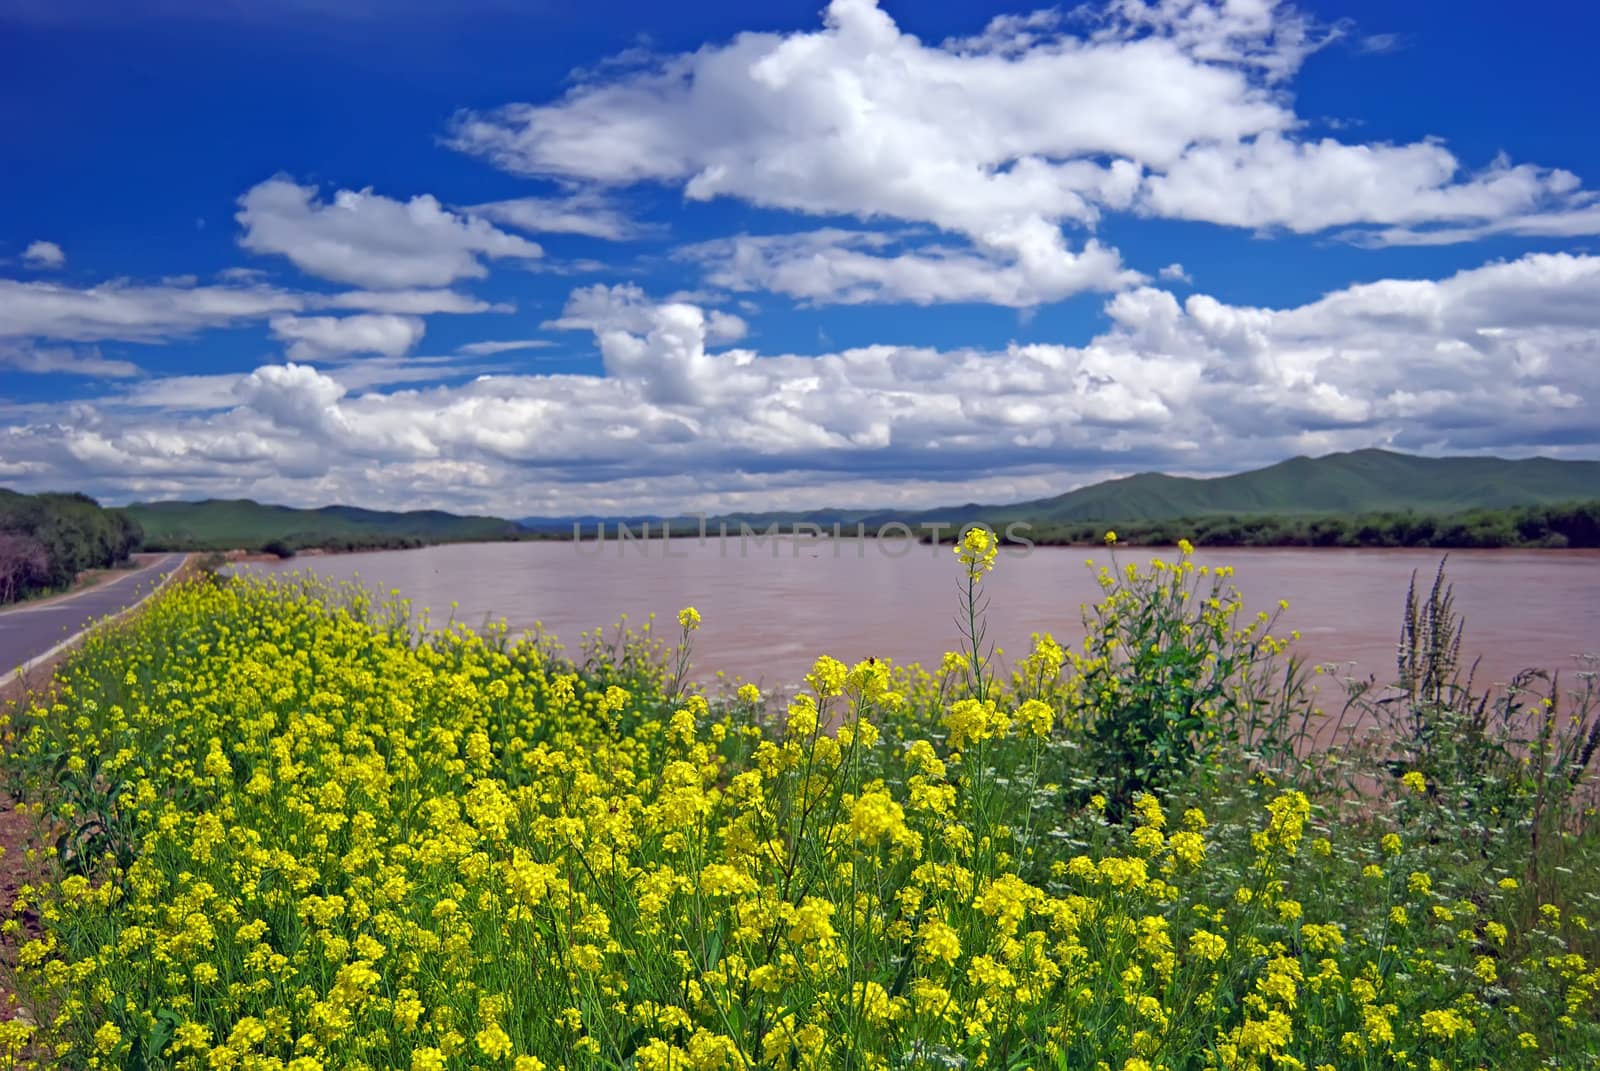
287 831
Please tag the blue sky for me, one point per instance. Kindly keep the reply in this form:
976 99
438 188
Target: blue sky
565 258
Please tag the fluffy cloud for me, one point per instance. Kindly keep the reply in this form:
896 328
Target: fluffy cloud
1273 181
180 394
175 308
294 397
1501 357
859 118
410 302
177 395
1489 358
318 338
862 120
587 214
627 308
366 239
43 255
117 310
1173 109
842 267
63 360
659 349
1581 220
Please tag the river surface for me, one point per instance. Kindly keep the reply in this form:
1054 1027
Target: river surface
770 608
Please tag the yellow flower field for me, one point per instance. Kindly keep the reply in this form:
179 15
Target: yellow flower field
288 830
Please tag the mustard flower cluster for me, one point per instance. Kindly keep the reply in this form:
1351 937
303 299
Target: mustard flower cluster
292 833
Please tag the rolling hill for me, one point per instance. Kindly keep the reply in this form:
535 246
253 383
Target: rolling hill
224 524
1363 481
1359 482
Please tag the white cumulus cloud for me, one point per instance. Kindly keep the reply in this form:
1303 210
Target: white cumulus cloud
136 312
319 338
1499 355
1273 181
587 214
43 255
366 239
1500 358
411 302
117 310
63 360
1008 140
850 267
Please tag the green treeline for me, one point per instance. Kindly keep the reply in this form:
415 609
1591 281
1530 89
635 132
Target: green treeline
287 546
47 540
1568 525
243 524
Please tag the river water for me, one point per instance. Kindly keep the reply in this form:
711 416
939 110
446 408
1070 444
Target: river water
770 608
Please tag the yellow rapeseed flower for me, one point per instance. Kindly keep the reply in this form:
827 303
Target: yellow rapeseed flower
107 1038
977 550
1445 1023
1208 946
938 942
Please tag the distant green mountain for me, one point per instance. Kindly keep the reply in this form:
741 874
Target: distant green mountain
1360 482
1363 481
225 524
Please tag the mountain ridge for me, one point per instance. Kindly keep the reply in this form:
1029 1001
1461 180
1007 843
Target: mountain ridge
229 523
1358 481
1350 482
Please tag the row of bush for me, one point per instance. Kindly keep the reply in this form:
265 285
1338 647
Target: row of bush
1567 525
46 540
290 545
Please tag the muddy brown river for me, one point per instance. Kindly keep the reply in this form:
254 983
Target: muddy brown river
771 607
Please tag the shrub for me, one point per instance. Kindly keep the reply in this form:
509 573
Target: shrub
1502 769
1173 673
278 548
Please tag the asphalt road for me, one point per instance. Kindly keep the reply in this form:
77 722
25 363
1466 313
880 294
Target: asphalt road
28 631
